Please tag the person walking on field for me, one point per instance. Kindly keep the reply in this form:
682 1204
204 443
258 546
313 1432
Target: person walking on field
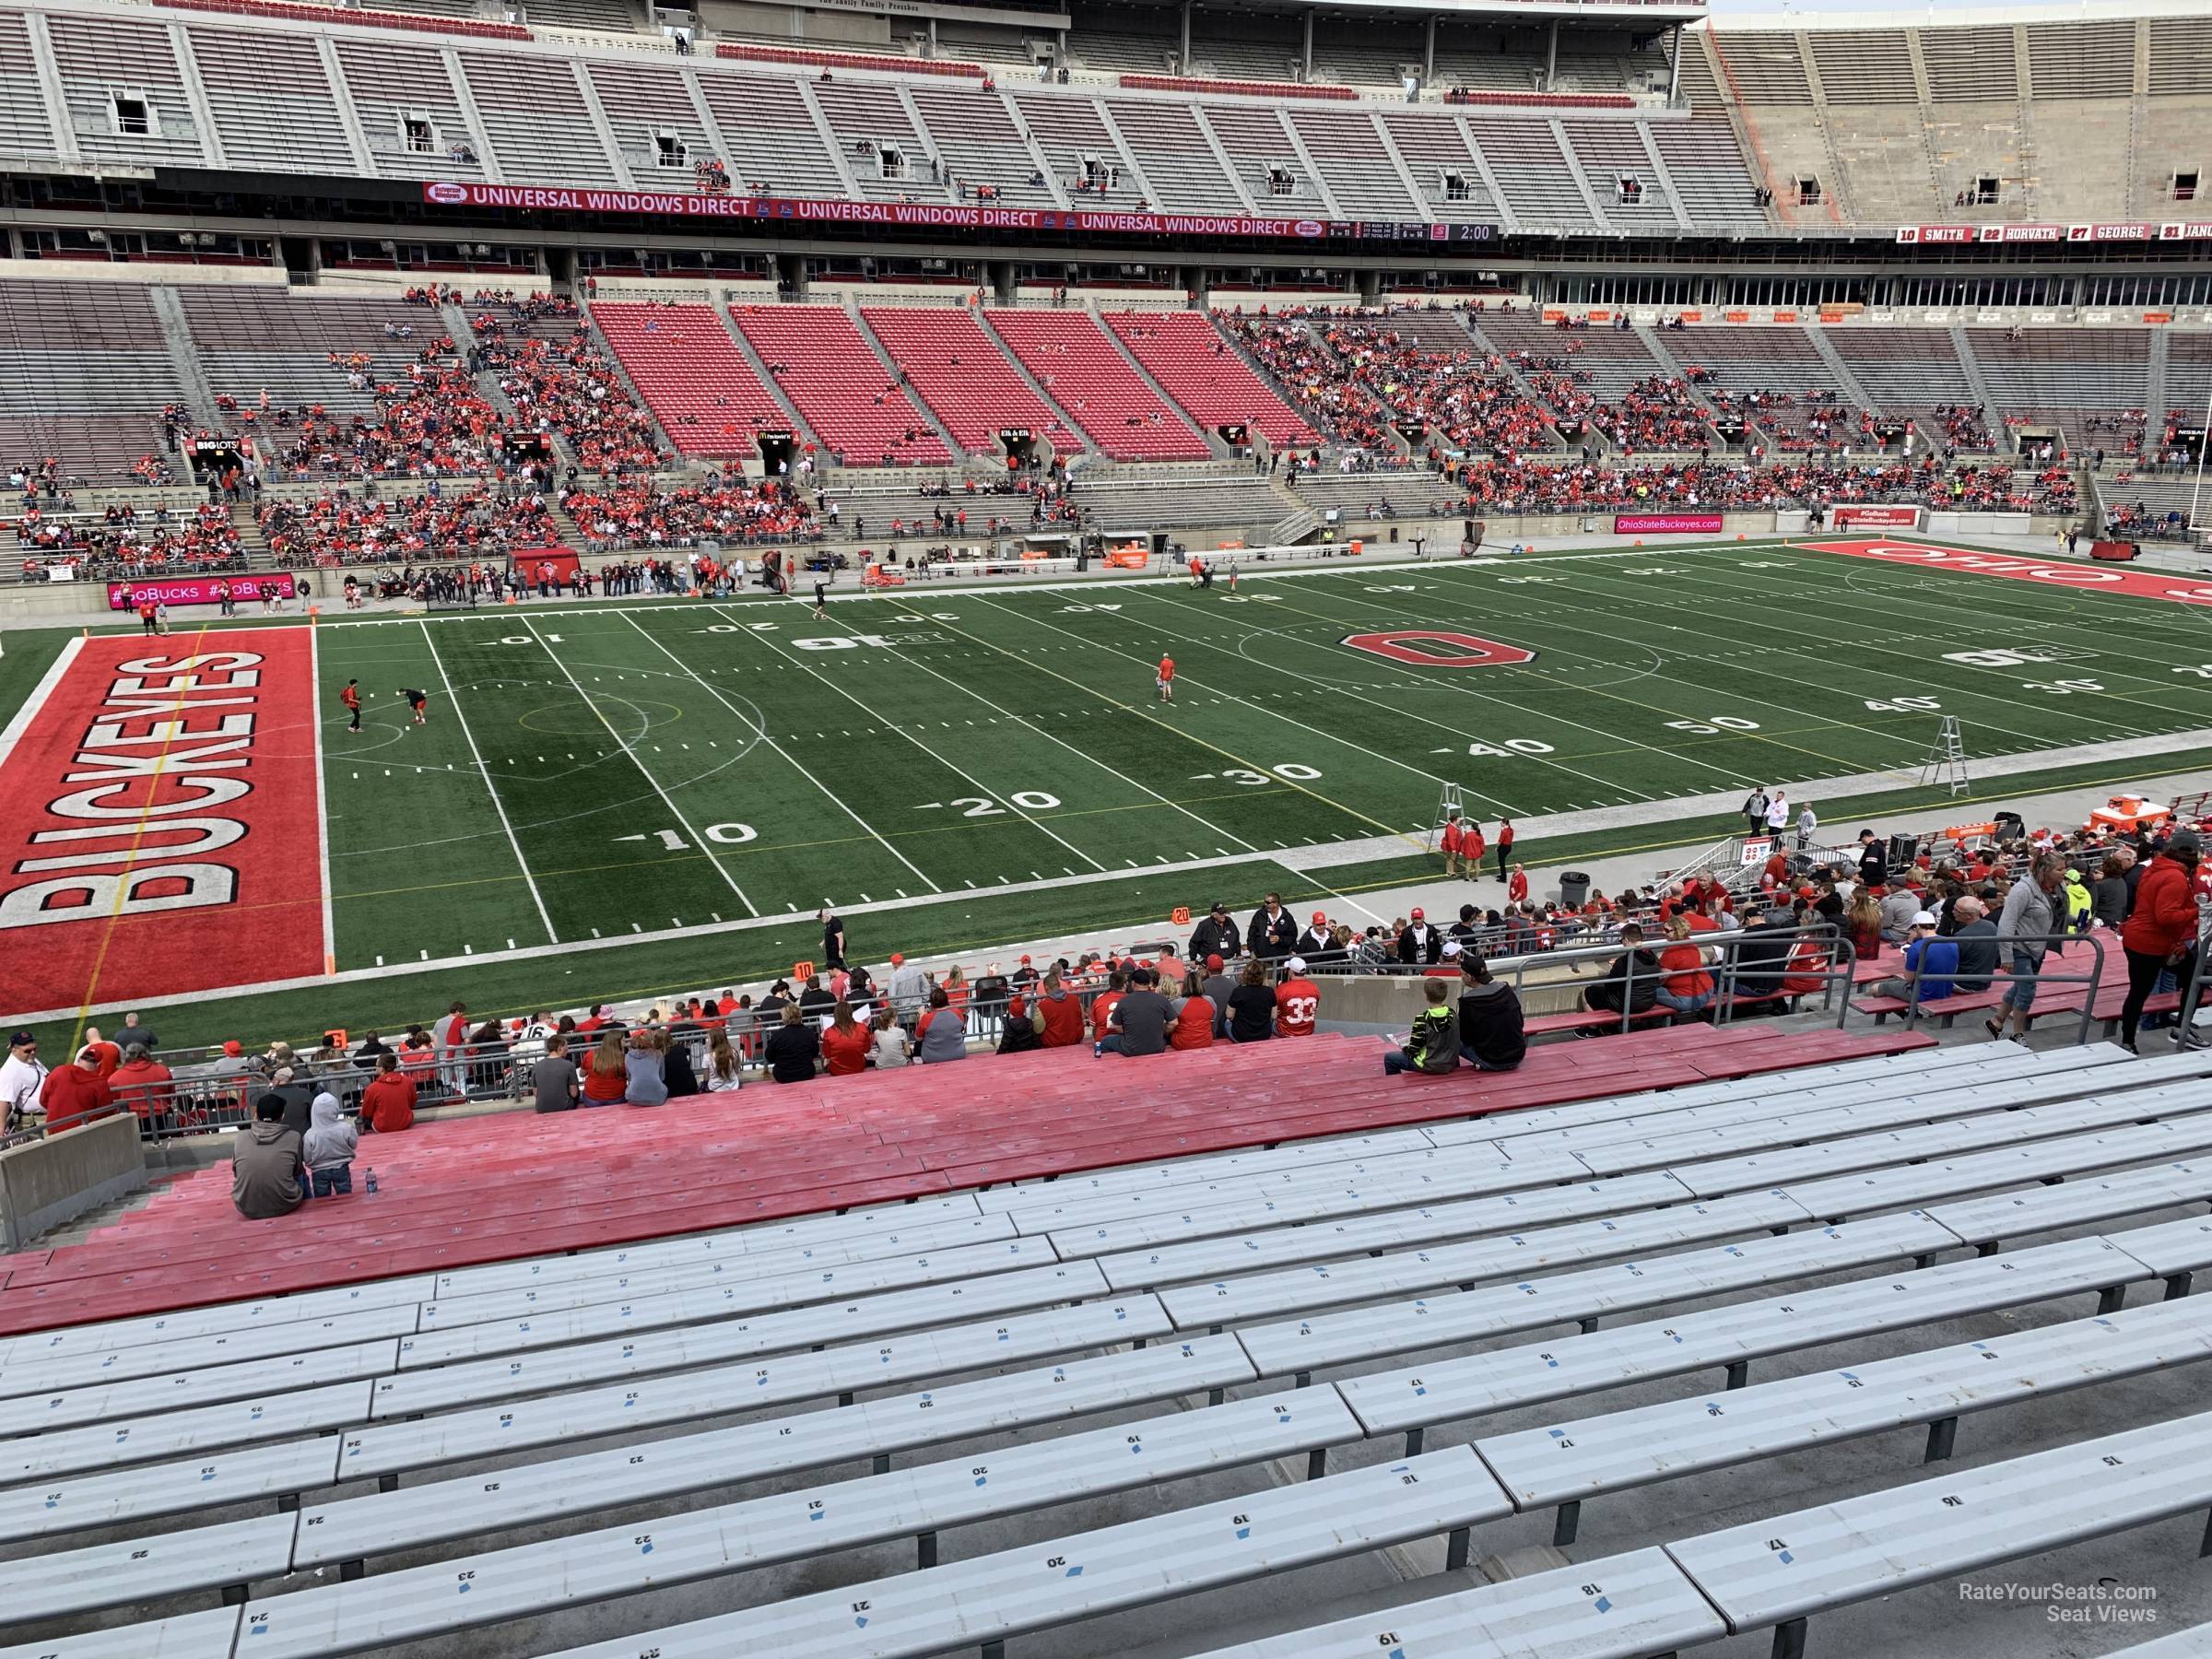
1165 680
821 603
351 698
1778 816
1505 844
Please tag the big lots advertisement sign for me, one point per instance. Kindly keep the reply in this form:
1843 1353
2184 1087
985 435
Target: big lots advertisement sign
158 817
2137 584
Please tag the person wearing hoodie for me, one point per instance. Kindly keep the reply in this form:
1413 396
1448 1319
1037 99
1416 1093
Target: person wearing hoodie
2079 902
1491 1037
2161 928
1434 1044
268 1176
1631 982
142 1083
73 1092
1023 1027
328 1147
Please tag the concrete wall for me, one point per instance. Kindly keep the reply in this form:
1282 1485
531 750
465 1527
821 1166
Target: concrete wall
48 1181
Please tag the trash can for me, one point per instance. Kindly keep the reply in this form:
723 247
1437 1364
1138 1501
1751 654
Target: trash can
1574 889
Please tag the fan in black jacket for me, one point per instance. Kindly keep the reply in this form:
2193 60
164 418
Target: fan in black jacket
1271 932
1420 946
1215 934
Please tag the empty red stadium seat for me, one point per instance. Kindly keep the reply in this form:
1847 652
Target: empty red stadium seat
839 384
692 376
1089 378
1196 367
958 371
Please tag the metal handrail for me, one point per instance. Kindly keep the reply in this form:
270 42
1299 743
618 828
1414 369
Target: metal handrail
2054 945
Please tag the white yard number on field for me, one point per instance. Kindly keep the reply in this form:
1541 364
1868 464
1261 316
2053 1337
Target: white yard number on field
1028 800
1076 610
1289 769
1527 581
1510 747
1903 705
727 834
1713 724
953 615
2062 687
1650 570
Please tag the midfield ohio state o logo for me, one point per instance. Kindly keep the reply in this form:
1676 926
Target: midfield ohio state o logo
1438 648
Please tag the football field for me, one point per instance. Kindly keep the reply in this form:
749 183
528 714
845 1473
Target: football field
598 773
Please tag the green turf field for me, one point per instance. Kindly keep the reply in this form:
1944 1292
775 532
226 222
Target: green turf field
996 765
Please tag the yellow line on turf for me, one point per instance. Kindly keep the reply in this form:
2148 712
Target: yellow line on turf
123 880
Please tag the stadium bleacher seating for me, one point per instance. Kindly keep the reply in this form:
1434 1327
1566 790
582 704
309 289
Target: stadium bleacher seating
1195 366
576 1394
84 376
2082 381
845 395
958 369
1081 370
692 376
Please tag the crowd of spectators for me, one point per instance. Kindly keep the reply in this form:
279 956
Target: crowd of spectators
640 512
563 382
345 527
121 544
428 420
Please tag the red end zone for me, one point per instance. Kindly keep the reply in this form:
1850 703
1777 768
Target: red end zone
2137 584
158 813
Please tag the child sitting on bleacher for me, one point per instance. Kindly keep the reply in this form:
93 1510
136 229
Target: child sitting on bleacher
329 1148
1434 1044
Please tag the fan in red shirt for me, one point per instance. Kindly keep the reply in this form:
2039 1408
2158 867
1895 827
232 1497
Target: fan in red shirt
1297 1000
1165 678
1516 887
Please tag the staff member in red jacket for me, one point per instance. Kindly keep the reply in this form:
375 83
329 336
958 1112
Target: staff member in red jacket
2161 929
1505 844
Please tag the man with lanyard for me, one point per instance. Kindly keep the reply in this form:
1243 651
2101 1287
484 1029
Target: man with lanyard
22 1076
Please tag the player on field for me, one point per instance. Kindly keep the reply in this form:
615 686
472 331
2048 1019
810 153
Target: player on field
1165 678
351 698
417 702
821 603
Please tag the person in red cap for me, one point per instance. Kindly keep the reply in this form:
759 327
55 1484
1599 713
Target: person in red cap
1218 985
1420 946
1165 678
1317 943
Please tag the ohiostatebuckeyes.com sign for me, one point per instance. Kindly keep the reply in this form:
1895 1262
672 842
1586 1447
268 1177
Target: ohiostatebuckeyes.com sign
945 215
1665 523
198 589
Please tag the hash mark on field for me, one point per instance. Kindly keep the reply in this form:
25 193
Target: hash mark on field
594 933
510 944
379 961
900 891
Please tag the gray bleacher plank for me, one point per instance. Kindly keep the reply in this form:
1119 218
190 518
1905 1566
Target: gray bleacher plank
1295 1234
147 1567
639 1471
1951 1138
1260 1295
184 1432
1665 1115
1224 1226
2175 1250
1623 1606
657 1278
1578 1458
104 1498
541 1370
857 1225
1788 1567
1472 1169
207 1635
1885 1072
309 1313
386 1448
107 1402
1299 1346
1288 1160
793 1525
1451 1389
43 1373
2092 1198
721 1300
990 1598
1971 1104
2061 1157
1044 1194
2181 1644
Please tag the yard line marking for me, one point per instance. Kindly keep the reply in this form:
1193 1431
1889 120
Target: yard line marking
453 699
621 741
950 766
314 680
780 749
